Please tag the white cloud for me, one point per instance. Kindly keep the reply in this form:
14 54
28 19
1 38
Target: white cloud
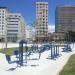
51 28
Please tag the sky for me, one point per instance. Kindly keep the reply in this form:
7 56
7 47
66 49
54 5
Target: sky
28 8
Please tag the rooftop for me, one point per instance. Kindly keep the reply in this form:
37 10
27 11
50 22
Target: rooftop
3 7
66 6
41 2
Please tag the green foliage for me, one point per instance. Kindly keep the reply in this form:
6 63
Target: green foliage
69 68
37 22
70 35
65 35
10 51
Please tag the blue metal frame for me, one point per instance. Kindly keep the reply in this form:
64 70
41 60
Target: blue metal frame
21 52
54 51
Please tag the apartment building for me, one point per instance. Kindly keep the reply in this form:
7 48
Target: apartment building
42 19
3 12
65 18
12 26
15 27
29 36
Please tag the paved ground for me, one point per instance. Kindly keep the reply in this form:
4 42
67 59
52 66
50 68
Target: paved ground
43 66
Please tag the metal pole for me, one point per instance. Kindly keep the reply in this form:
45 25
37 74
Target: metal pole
6 37
22 54
26 48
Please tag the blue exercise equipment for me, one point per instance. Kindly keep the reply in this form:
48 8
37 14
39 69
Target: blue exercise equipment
16 52
21 51
67 47
8 58
34 47
54 51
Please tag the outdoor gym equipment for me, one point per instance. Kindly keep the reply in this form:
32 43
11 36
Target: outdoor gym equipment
21 51
54 51
16 52
67 48
41 49
37 49
34 47
22 54
47 46
8 58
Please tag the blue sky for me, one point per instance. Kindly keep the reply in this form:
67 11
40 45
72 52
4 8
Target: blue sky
28 10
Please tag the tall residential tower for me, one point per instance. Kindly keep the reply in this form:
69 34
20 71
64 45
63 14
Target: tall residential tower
42 19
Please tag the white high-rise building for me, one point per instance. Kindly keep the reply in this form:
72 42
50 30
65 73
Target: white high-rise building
3 23
15 27
12 26
42 19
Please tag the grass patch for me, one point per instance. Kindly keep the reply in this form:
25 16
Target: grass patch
69 68
10 51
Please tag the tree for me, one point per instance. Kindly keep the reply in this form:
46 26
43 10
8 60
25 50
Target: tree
70 36
37 22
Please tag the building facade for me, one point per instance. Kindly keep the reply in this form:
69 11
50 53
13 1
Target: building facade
29 35
65 18
3 14
42 19
58 37
12 26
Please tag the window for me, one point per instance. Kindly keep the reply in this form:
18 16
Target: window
40 4
12 30
2 22
2 16
19 16
43 16
2 28
10 15
43 19
16 16
2 25
2 13
13 21
13 24
2 19
3 10
40 13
